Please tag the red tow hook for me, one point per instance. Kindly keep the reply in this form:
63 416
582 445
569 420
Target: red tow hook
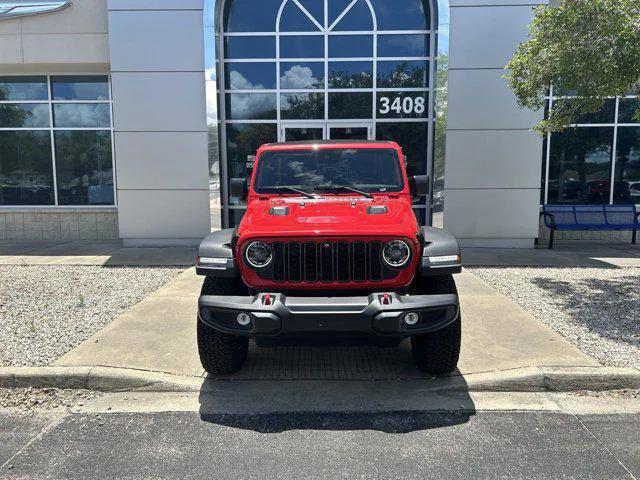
266 300
385 299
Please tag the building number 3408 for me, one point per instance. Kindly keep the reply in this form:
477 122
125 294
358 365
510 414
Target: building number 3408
407 105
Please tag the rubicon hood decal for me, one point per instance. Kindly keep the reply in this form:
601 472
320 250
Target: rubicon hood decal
19 8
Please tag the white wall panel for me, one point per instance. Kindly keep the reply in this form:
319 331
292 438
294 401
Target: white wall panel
10 49
481 99
163 214
156 160
486 37
493 159
149 101
66 48
151 48
492 213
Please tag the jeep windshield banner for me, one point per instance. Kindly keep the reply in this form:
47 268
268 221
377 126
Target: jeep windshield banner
366 170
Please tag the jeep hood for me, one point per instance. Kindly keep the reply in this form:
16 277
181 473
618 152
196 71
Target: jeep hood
328 216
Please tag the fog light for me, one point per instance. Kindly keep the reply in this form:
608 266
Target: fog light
243 319
411 318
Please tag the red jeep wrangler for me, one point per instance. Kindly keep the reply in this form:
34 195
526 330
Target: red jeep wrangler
329 248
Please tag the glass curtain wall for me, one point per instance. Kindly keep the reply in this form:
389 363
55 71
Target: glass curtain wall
313 69
56 145
581 164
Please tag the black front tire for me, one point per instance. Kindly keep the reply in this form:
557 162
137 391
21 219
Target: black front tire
438 352
220 353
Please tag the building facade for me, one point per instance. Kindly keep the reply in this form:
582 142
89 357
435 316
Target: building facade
126 119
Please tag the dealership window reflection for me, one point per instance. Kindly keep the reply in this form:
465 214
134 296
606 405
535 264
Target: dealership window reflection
581 164
79 160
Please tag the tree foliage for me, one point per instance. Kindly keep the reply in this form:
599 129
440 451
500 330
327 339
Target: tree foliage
586 48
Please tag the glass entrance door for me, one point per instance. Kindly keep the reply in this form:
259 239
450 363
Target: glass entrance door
296 133
330 131
350 132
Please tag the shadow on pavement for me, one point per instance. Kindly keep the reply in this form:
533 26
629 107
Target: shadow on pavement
390 406
387 422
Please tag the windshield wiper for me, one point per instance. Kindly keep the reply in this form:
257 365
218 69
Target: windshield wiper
344 188
294 190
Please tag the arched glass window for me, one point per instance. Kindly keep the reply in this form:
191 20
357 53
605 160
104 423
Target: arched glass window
313 69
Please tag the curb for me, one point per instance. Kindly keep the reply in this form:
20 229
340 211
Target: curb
528 379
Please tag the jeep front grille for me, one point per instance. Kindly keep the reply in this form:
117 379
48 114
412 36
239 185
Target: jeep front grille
328 262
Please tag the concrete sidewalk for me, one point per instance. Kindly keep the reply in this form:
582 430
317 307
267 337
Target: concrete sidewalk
566 254
159 335
92 253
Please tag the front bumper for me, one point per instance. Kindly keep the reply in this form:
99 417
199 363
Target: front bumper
378 314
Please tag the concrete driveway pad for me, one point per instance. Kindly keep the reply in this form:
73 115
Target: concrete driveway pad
158 334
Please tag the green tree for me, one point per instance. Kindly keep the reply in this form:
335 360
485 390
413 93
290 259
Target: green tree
586 48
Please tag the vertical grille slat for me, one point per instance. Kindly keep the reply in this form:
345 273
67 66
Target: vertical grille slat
295 262
311 262
359 261
279 262
343 262
328 262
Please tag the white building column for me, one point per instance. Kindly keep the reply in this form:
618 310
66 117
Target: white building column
494 160
157 67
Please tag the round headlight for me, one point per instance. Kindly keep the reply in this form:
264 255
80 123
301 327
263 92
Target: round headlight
396 253
259 254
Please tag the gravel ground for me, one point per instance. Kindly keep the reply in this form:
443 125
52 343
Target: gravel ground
30 400
45 311
596 309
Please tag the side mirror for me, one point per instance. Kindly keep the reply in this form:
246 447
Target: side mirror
239 188
419 185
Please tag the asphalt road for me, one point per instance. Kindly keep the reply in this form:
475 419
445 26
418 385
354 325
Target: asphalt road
403 445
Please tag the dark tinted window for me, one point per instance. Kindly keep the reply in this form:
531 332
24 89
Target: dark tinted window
628 165
80 87
358 18
350 74
250 47
350 46
244 140
403 45
301 46
293 19
403 74
627 110
605 115
24 115
371 170
23 88
412 137
302 106
301 75
580 166
251 106
84 168
401 14
250 76
26 172
251 16
77 115
350 105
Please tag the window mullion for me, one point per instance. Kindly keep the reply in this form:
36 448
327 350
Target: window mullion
53 142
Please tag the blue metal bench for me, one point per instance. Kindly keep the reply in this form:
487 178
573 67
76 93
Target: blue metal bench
590 217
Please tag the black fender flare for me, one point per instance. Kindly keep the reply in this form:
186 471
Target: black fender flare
218 245
437 242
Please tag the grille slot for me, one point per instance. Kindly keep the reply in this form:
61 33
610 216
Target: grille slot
328 262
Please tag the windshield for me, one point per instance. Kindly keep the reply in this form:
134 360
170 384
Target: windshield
368 170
